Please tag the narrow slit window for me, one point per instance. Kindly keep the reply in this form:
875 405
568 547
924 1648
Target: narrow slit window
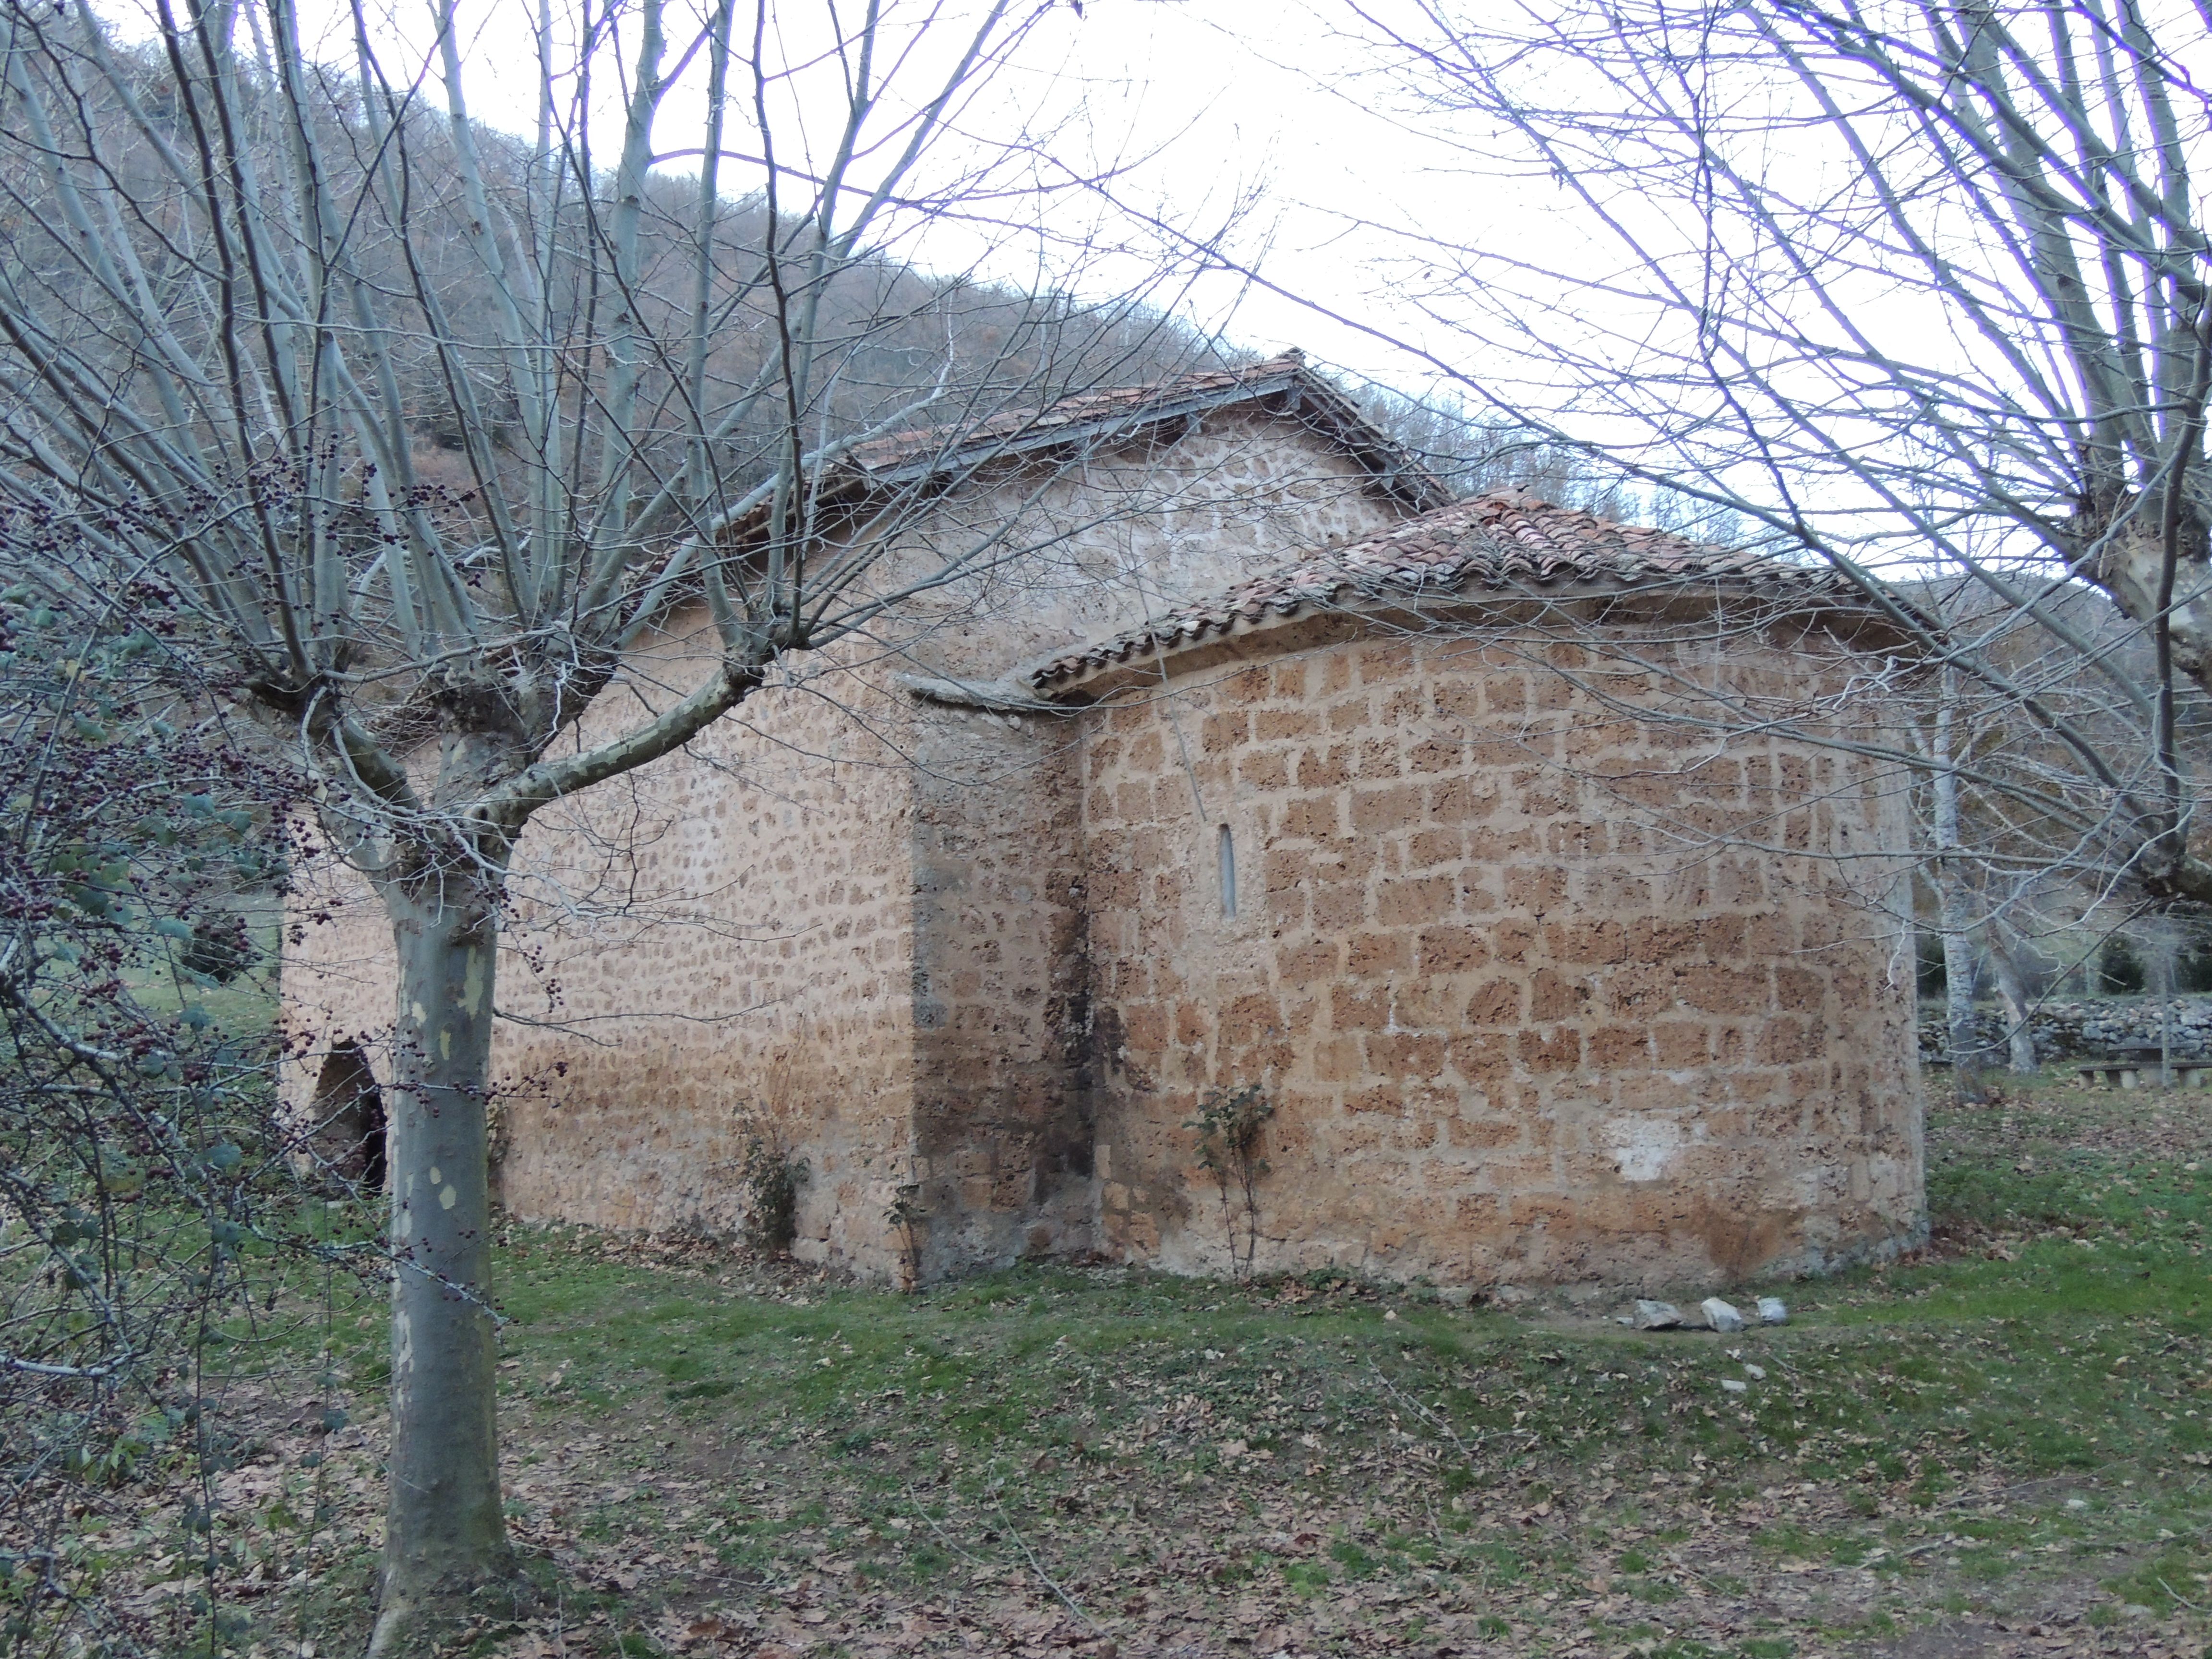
1228 846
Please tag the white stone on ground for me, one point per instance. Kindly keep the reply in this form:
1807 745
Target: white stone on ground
1720 1315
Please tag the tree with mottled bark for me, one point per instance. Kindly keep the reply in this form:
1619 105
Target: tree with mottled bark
426 427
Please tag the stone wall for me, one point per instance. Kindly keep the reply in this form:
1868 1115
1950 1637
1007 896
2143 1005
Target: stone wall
1116 538
729 935
335 977
850 919
1002 1133
1540 991
2068 1030
716 946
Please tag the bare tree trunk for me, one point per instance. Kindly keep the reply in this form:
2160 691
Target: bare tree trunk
1952 907
1958 1012
2160 966
2013 992
446 1536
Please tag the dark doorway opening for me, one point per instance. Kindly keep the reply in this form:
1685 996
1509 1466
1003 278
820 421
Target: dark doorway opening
349 1125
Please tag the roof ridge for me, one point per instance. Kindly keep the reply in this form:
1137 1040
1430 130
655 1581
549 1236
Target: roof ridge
917 455
879 453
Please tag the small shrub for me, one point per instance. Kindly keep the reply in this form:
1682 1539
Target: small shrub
904 1216
772 1180
219 949
1229 1125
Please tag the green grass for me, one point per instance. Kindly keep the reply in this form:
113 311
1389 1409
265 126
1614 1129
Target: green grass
1899 1388
2015 1418
244 1008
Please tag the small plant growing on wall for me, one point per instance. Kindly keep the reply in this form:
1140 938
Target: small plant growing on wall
772 1180
904 1216
770 1174
1229 1125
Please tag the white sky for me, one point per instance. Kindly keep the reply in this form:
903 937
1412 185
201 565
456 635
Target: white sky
1225 91
1233 89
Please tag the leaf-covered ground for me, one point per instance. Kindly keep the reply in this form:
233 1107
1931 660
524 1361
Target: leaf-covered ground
2000 1447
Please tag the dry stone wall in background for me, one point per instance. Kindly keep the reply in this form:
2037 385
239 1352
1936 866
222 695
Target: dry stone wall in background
2075 1029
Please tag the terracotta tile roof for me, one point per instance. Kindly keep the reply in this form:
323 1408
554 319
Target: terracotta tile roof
1506 539
1082 415
928 452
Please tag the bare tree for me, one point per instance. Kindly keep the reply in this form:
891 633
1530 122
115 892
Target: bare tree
1916 288
2011 883
1951 887
2012 992
424 427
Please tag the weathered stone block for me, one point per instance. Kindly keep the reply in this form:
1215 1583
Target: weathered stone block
1450 950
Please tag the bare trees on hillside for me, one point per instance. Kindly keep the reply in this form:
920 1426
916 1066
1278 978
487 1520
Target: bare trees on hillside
420 429
2026 869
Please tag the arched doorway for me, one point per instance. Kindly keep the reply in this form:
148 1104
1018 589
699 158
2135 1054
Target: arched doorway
348 1135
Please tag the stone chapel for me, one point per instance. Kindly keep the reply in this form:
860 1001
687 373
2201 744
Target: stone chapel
1540 872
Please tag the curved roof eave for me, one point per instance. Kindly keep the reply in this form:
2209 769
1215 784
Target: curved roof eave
1506 552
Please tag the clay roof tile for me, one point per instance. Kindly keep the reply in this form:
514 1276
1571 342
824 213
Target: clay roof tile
1508 538
919 455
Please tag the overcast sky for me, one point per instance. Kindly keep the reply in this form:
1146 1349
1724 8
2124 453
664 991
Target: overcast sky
1222 99
1193 106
